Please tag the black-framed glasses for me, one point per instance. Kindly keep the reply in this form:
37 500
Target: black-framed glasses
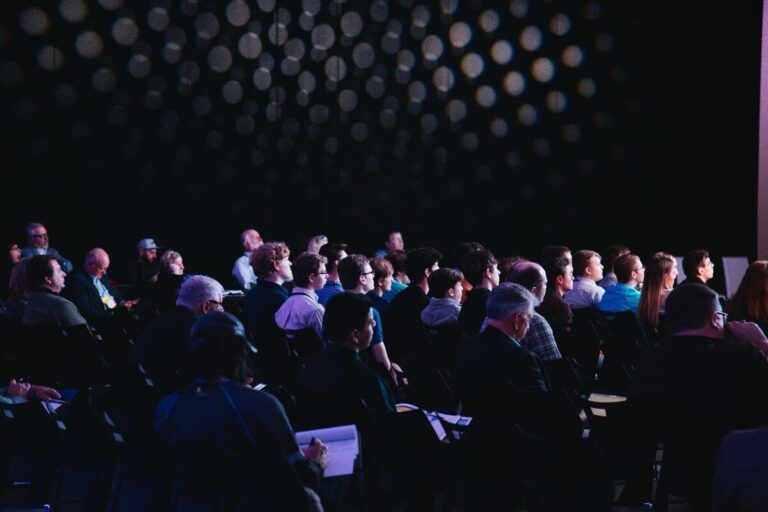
321 273
220 304
367 273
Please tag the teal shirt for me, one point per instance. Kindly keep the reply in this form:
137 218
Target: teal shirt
618 298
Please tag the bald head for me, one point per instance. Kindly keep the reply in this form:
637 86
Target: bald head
529 275
251 240
97 262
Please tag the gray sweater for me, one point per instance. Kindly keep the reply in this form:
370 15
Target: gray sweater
441 312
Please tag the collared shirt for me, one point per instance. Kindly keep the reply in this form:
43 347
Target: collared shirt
330 289
620 297
540 340
243 271
585 293
608 280
104 295
301 311
441 312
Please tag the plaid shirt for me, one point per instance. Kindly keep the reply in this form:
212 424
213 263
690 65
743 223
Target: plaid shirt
540 340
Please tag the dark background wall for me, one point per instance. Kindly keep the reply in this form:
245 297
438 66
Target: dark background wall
518 124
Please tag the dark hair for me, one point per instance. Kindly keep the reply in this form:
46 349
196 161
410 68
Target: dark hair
476 263
689 306
506 263
381 268
344 313
461 251
350 270
218 347
581 261
418 261
332 251
554 268
693 260
623 267
442 280
554 251
304 265
264 259
38 268
750 302
397 259
526 274
612 254
652 296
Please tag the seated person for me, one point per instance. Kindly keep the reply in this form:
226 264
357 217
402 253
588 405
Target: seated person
624 295
145 268
400 279
750 302
698 267
37 245
169 280
220 405
445 290
302 310
482 271
45 280
613 253
250 239
334 253
588 269
394 243
18 392
383 273
553 308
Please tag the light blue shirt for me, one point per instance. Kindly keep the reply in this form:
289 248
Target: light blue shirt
618 298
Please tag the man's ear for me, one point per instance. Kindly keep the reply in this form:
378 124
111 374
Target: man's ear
559 280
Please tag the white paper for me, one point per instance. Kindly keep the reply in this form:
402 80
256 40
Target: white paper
434 418
343 447
600 398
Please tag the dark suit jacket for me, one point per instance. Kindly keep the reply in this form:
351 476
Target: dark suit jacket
81 290
473 311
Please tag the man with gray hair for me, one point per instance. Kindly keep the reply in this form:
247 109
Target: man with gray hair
539 339
162 348
37 245
495 358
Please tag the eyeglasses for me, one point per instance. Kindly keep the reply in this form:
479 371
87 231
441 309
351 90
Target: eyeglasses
722 314
41 235
367 273
219 304
321 273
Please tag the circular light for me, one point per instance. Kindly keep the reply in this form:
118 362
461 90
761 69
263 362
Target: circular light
306 21
420 16
207 25
489 20
157 19
139 66
176 35
266 5
572 56
429 123
359 132
556 101
238 13
335 68
375 87
172 53
443 78
387 118
189 72
363 55
499 128
249 45
586 87
74 11
560 24
277 34
219 59
470 141
417 92
456 110
103 80
485 96
89 45
262 79
50 58
34 21
518 8
294 49
347 100
530 38
323 37
351 24
449 6
501 52
232 92
514 83
390 43
472 65
379 11
111 5
125 32
527 115
460 34
543 69
432 47
307 81
405 60
290 67
311 7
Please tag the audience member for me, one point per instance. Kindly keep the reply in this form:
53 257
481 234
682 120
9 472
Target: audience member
445 298
45 280
146 267
18 292
394 243
400 279
553 308
588 271
334 253
169 280
482 271
37 245
750 302
316 242
20 392
624 295
613 253
382 283
91 292
505 264
556 251
272 267
250 240
660 276
14 256
698 267
458 258
539 338
302 311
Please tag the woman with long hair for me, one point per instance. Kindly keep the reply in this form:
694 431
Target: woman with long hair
750 302
660 276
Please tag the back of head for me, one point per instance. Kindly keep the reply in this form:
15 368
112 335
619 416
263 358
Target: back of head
693 260
265 258
506 263
350 270
17 282
623 267
442 280
461 251
316 242
304 265
397 259
527 274
38 268
344 313
382 268
555 251
750 302
333 251
419 260
612 253
218 347
476 263
653 287
581 260
689 306
169 257
508 298
197 289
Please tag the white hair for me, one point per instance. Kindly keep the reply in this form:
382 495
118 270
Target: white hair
508 298
198 289
33 226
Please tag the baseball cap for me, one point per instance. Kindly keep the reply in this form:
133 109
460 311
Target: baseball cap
147 243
